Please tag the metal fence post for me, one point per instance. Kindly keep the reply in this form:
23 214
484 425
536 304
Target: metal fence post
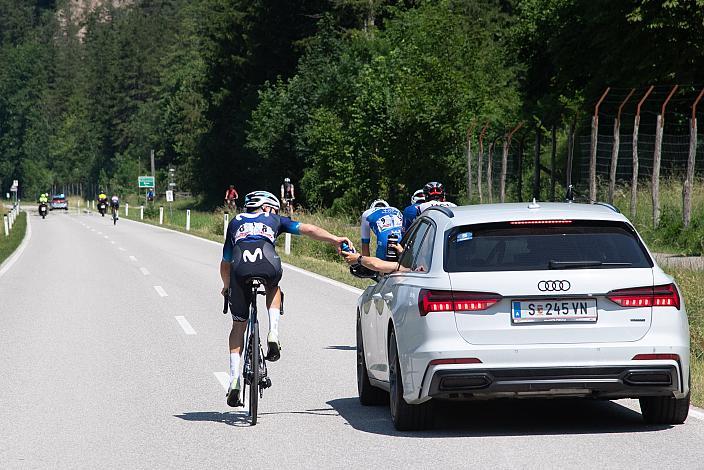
504 162
536 164
615 148
188 220
657 158
592 153
691 159
634 178
489 171
470 130
479 162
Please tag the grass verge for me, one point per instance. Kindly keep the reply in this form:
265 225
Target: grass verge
9 244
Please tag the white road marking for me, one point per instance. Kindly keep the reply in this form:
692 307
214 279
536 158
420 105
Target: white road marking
187 328
92 230
112 242
144 271
223 378
132 258
100 233
160 290
4 267
106 237
696 413
122 249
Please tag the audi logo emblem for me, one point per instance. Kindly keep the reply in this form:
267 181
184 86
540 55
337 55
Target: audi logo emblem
552 286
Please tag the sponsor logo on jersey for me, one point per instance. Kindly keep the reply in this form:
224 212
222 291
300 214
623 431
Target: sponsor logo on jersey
250 229
249 257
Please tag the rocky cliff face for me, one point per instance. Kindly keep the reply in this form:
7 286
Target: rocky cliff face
76 11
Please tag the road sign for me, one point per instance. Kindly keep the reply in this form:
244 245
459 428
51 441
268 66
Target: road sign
169 196
146 181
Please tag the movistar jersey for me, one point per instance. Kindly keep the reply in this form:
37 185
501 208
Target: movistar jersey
383 221
411 212
259 226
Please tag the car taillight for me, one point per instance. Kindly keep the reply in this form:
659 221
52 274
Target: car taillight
451 301
656 357
658 296
540 222
459 360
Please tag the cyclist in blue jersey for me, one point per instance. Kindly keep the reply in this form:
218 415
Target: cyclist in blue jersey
409 213
385 221
249 251
434 196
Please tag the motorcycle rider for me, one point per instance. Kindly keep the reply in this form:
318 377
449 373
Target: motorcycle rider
386 222
44 198
249 250
102 199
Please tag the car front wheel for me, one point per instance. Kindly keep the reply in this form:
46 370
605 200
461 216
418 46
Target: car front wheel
405 417
368 394
664 410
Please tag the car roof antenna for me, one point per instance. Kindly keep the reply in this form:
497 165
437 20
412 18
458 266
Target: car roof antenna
534 205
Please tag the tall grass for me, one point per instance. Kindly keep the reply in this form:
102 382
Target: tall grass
9 244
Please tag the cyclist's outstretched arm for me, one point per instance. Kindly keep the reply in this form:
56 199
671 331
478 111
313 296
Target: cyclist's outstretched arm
320 234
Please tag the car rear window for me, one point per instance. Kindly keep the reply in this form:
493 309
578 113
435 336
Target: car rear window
531 247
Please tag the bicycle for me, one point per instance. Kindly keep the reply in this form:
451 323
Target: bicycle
114 215
254 370
288 206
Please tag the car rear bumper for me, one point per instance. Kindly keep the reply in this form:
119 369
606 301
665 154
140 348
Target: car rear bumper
609 382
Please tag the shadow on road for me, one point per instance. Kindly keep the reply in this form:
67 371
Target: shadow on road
230 418
504 418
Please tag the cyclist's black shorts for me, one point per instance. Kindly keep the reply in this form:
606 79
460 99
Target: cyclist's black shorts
255 258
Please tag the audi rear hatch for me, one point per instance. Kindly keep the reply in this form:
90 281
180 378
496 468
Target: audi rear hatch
549 282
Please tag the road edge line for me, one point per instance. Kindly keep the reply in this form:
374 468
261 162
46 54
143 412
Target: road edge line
696 413
12 259
305 272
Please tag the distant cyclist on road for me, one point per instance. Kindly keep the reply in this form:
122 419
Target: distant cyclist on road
434 196
386 222
288 194
249 251
231 197
115 205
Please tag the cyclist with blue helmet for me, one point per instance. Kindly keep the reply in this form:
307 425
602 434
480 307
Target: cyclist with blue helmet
249 251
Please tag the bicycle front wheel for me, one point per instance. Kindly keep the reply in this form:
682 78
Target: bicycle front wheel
254 386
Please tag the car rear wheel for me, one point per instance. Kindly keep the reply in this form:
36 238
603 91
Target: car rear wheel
368 394
405 417
664 410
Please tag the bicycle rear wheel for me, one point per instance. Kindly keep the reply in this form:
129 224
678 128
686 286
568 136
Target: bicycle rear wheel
254 386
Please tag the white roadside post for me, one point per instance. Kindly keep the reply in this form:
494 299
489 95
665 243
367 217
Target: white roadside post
10 219
188 220
287 244
7 226
226 220
161 215
141 212
127 210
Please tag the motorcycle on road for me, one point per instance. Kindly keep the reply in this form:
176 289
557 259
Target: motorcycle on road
43 209
102 208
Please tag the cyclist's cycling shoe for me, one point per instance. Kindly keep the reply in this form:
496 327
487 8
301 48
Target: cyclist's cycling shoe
233 394
274 352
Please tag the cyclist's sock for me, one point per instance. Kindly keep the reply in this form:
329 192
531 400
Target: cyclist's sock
234 365
274 315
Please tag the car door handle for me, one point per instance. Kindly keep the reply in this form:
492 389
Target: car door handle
376 296
388 296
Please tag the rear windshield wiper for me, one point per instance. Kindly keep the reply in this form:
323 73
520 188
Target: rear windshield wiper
553 264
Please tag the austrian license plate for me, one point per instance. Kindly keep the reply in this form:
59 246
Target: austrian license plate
538 311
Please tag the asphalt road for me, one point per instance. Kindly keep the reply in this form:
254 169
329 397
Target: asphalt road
113 344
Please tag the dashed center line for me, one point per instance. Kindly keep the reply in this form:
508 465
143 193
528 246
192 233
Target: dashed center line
122 249
223 378
106 237
144 271
132 258
160 290
187 328
112 242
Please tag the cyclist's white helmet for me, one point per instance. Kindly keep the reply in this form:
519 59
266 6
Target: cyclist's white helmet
257 199
418 196
379 203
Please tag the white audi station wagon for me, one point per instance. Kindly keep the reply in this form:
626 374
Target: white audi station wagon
523 301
